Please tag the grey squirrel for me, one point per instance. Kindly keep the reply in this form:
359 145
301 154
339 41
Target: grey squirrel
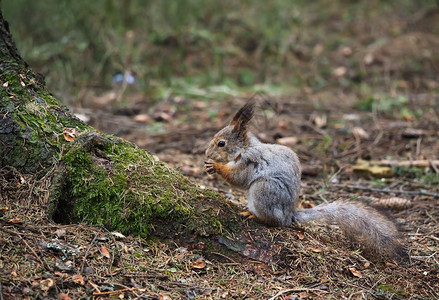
271 175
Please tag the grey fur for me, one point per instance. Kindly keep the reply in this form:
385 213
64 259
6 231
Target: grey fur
271 174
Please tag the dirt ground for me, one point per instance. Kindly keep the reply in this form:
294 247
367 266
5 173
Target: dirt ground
381 150
314 261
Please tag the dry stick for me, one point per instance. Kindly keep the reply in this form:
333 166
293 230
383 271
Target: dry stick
434 166
41 259
418 146
30 194
225 256
124 289
356 293
415 193
114 292
427 258
409 163
88 250
160 277
296 290
94 285
432 290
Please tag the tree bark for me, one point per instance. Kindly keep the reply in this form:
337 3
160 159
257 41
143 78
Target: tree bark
73 173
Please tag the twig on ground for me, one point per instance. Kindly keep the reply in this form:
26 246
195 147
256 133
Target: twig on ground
426 258
225 256
434 165
433 290
88 250
37 256
134 275
415 193
431 217
295 290
94 285
409 163
96 294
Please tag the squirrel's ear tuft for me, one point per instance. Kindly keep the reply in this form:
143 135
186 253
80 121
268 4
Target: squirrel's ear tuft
242 118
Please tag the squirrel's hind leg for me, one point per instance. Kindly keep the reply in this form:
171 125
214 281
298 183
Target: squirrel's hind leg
270 208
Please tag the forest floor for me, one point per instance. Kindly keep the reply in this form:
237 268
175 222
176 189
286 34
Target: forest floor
314 261
382 148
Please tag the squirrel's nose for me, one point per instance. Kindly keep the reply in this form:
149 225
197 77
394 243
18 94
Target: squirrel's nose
208 151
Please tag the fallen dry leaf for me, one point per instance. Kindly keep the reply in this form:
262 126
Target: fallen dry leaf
198 264
63 296
389 264
118 235
104 99
46 284
288 141
78 278
104 252
319 120
162 296
4 208
368 58
346 51
60 232
15 221
360 133
300 235
164 114
316 250
340 71
355 272
69 134
142 118
60 274
283 125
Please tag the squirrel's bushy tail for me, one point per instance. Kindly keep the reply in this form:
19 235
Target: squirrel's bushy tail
361 223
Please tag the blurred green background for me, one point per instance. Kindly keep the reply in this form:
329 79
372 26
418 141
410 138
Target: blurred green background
187 46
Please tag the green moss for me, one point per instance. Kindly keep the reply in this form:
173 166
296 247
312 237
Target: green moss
33 122
116 184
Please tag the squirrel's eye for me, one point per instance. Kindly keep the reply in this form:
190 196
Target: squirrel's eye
221 143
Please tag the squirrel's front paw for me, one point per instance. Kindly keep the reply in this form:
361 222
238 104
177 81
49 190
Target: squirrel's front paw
209 167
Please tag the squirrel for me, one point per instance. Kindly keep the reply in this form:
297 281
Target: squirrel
271 174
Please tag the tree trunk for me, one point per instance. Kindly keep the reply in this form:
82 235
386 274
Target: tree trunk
63 169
